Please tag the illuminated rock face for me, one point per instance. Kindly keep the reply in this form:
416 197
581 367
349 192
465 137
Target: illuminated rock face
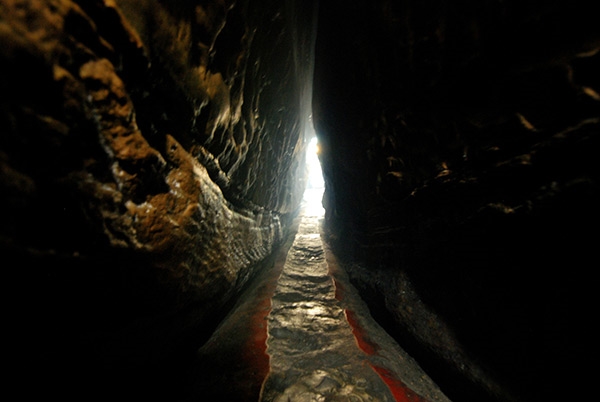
152 154
151 159
459 154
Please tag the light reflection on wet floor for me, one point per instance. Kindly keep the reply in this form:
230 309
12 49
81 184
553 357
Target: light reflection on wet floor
313 354
301 308
313 349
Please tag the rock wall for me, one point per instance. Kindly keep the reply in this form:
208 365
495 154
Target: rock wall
459 142
151 157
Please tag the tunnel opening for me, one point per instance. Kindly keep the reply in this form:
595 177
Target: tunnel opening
312 199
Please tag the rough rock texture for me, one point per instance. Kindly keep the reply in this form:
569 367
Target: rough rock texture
317 344
459 146
151 156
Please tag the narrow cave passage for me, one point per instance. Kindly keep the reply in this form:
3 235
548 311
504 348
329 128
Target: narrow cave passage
162 239
301 332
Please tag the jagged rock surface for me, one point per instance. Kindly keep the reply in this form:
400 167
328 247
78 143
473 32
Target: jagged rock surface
151 156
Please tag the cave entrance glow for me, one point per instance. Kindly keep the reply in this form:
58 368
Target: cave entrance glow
313 194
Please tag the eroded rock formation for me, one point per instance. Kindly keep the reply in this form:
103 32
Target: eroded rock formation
152 154
459 144
152 159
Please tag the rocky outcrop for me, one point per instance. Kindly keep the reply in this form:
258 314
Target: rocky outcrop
152 155
458 149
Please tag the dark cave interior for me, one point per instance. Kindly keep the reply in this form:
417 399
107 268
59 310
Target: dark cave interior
152 166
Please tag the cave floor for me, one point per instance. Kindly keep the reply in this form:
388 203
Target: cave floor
302 333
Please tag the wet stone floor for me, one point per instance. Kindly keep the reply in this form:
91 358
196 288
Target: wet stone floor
302 334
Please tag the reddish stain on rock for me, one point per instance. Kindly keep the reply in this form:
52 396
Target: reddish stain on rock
255 349
400 391
359 334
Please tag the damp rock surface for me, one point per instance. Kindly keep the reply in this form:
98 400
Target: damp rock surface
152 164
317 338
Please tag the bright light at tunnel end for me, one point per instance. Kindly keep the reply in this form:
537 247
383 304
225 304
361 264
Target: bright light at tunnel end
313 194
315 175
